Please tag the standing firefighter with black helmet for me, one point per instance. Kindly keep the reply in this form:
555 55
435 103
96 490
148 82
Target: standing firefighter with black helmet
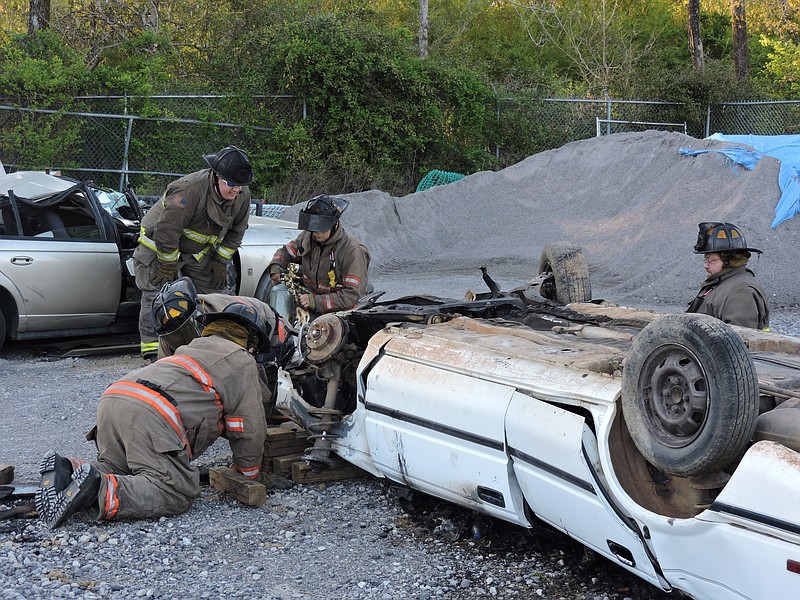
195 228
155 420
334 264
731 292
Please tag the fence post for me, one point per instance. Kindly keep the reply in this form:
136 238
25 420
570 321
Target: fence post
123 176
608 115
708 120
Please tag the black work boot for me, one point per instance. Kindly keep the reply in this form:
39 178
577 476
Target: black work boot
56 507
56 471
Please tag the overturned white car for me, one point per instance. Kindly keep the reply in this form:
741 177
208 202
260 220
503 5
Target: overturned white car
667 443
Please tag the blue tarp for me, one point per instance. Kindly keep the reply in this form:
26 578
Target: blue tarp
741 156
785 148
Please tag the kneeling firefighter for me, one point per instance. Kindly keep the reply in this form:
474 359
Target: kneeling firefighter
154 421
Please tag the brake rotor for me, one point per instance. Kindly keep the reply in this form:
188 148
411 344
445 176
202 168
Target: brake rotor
323 338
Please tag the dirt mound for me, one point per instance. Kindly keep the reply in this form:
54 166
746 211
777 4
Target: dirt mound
630 200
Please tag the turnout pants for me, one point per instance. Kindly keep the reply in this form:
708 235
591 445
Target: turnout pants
150 285
146 463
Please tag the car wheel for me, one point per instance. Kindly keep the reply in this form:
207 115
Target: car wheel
2 328
689 394
567 274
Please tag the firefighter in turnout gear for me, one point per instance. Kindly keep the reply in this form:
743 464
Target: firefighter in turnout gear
730 292
195 229
155 420
333 263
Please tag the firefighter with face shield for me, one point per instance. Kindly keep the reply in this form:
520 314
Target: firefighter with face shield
333 263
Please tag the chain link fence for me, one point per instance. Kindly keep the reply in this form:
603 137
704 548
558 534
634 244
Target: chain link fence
756 118
148 141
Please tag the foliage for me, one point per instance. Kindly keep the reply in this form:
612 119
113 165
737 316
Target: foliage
378 114
359 108
38 70
784 66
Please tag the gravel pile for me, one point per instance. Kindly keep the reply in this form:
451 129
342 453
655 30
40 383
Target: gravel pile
630 200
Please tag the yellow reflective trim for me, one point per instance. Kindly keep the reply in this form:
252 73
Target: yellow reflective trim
199 255
200 238
225 252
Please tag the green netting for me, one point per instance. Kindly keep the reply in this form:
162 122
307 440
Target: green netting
435 177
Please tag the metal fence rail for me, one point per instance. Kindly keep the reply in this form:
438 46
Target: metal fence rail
148 141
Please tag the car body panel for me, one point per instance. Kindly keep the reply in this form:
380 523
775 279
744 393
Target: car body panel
263 237
534 417
51 277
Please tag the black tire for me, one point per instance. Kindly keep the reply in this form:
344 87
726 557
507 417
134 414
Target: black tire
568 274
689 394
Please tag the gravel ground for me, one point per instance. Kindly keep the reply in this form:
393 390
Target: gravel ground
347 539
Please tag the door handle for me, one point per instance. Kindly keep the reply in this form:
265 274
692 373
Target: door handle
21 260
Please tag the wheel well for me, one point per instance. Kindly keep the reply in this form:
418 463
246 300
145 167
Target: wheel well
9 312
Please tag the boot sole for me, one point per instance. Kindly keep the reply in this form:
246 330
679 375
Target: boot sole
47 469
56 507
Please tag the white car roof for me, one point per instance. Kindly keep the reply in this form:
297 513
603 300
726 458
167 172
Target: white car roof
32 185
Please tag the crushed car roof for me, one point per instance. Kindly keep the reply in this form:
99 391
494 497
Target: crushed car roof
32 184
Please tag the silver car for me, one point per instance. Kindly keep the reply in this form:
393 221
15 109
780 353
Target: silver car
65 249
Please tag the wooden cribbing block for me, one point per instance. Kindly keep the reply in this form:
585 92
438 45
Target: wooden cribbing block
237 486
288 438
284 447
302 473
282 465
6 473
286 431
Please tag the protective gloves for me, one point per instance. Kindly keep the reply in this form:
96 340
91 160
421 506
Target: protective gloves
167 271
219 274
275 273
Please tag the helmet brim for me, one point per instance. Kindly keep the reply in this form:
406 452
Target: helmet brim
756 250
262 333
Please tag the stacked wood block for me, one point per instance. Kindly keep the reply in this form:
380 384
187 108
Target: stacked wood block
287 442
283 451
302 473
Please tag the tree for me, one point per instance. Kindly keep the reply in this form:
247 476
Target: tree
739 24
423 28
38 16
601 39
695 41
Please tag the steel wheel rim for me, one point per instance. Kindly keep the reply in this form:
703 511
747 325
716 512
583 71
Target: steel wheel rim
673 396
